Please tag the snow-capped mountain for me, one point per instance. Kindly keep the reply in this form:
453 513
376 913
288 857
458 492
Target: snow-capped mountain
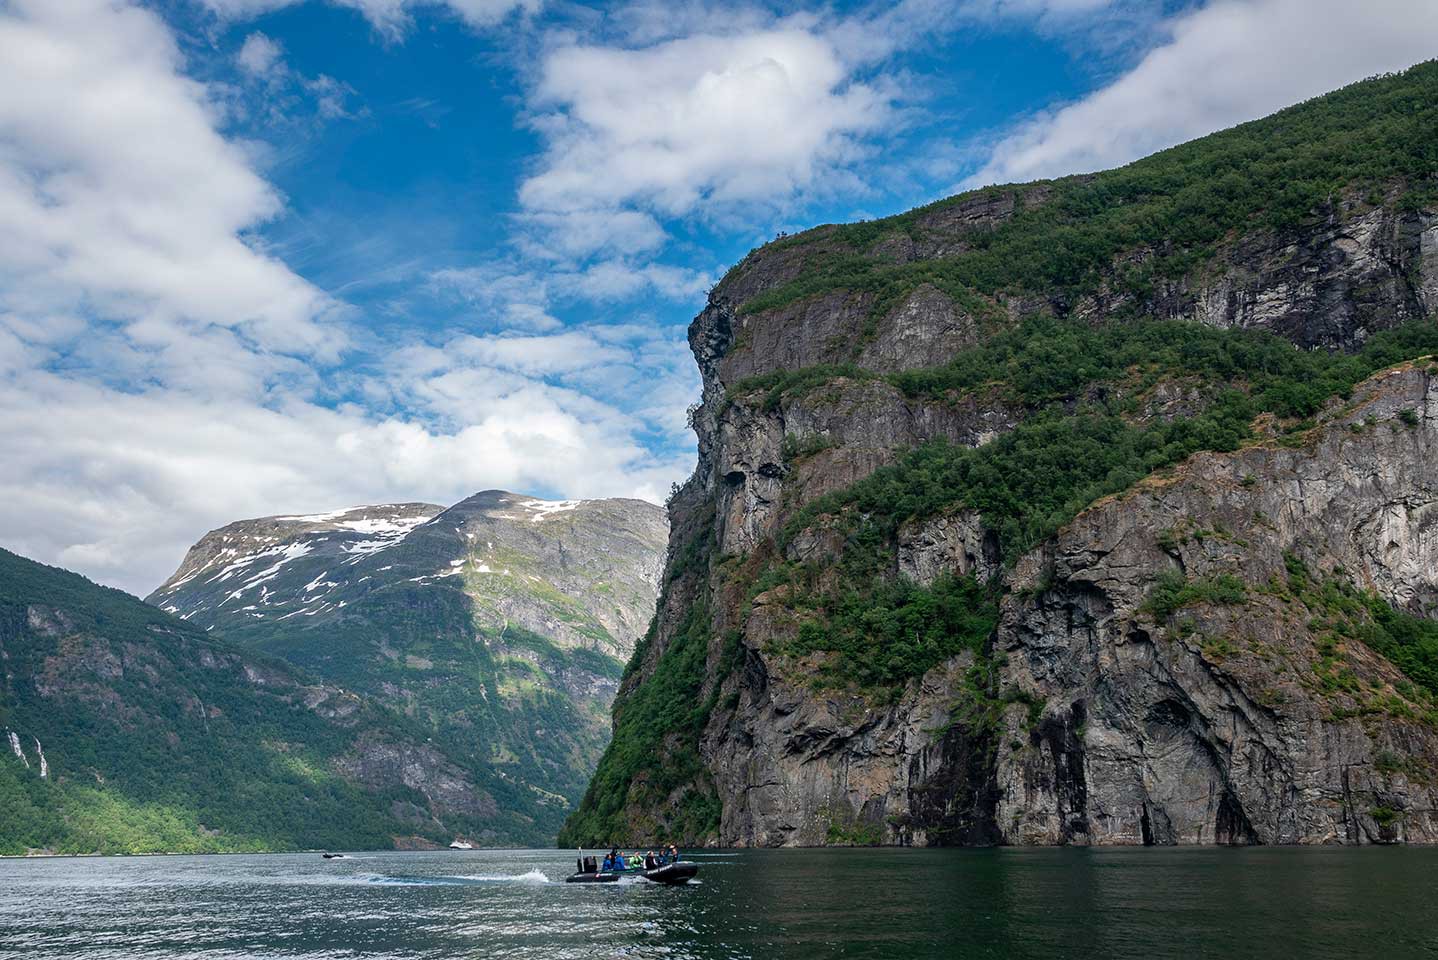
504 620
254 567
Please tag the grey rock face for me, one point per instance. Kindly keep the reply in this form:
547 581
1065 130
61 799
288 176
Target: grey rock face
1212 730
1146 735
1327 288
958 544
809 770
1121 727
379 761
838 434
924 331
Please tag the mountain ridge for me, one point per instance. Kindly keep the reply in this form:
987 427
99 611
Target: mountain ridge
500 622
878 619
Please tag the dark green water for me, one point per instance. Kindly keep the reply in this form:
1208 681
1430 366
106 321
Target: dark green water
1259 903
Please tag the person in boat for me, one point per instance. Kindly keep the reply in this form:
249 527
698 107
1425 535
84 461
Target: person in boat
672 854
649 862
608 865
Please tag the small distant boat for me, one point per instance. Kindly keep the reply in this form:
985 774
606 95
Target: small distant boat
461 845
333 856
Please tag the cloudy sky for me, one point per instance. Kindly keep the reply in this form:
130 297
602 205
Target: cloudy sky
273 256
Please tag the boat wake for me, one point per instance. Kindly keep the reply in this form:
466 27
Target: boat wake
533 876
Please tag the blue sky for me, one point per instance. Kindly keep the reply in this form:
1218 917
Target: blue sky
282 256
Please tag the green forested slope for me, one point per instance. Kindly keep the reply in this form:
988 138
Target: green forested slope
158 737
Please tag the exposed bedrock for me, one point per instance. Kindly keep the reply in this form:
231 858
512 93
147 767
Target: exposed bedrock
1206 732
1212 730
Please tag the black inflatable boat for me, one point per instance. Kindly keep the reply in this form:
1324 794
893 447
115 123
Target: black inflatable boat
681 871
586 877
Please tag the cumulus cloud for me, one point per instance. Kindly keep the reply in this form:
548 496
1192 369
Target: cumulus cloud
117 484
1230 61
391 17
117 194
716 119
161 374
259 55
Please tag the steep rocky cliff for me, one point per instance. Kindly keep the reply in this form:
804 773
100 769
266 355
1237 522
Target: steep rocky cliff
126 730
1098 510
502 622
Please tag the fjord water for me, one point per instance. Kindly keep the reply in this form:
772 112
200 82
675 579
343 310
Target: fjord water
1004 903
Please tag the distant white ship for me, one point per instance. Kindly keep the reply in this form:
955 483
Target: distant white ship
461 845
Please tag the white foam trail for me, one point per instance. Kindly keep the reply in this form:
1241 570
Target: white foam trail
533 876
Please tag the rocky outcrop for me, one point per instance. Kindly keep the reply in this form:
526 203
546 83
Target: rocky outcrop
1330 287
924 331
1122 728
1213 727
958 544
379 760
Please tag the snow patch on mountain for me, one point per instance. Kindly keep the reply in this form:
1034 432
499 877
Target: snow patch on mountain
544 509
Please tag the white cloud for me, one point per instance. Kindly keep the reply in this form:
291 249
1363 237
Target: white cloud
117 194
282 92
1231 61
619 280
514 295
391 17
717 120
576 233
259 55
